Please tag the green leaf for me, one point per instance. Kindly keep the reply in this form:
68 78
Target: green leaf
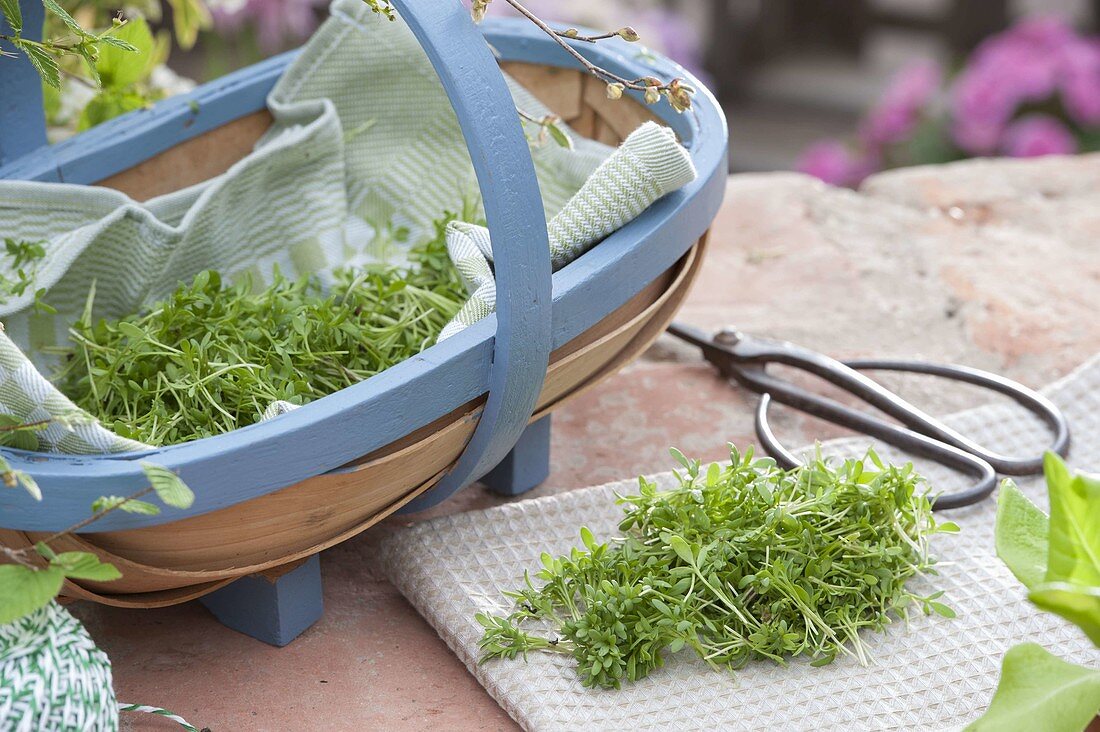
131 331
682 549
119 66
679 457
1074 553
44 550
1039 691
110 503
22 439
60 12
110 40
1021 535
24 590
29 484
10 9
1079 604
188 18
940 609
85 566
559 136
168 486
587 539
108 104
43 61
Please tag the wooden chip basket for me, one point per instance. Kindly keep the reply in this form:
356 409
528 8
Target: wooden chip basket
269 497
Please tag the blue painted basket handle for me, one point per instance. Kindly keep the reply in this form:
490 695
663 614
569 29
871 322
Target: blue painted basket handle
517 224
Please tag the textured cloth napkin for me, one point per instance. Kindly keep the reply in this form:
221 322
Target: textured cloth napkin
935 674
648 165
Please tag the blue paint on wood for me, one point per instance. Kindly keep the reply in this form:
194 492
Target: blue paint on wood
273 611
513 209
337 429
22 119
526 466
125 141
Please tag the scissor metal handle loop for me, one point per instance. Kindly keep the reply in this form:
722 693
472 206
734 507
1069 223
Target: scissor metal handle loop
1029 399
913 442
750 372
926 436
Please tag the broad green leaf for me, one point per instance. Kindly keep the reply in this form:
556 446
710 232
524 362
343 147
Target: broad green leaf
21 439
24 590
168 486
43 61
14 16
1080 604
1039 691
108 104
1074 554
85 566
188 18
110 503
1021 535
119 67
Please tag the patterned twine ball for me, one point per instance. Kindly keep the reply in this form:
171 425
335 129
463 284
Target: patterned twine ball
53 677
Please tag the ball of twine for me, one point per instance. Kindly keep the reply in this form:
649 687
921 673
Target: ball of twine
52 675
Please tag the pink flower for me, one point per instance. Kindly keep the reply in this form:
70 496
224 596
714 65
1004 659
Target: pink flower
981 104
1026 57
834 163
1080 82
1030 63
1048 31
277 22
1038 134
895 117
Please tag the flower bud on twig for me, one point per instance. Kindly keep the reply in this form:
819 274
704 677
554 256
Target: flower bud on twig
628 34
479 9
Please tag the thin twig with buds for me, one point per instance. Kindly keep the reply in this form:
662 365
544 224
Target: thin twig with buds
678 93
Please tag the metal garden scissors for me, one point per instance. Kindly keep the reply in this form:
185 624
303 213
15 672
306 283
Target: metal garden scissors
745 358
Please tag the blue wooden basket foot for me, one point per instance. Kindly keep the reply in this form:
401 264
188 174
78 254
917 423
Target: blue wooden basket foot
526 466
275 607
